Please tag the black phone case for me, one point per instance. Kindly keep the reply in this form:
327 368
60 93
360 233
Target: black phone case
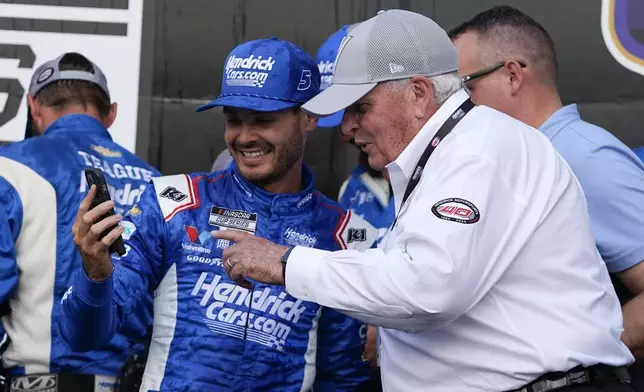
96 177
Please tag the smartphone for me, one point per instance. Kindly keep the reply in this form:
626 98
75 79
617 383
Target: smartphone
96 177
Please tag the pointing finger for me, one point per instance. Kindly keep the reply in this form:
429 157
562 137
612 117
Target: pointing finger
231 235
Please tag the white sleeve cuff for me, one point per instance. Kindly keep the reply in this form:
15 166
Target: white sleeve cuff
302 270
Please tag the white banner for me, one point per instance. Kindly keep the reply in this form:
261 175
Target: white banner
109 37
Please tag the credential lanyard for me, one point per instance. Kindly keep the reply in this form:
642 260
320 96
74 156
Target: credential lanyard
443 131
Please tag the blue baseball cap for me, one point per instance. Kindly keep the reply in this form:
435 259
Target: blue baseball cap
326 64
267 75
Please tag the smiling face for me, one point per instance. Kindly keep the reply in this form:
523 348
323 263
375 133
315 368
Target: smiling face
266 146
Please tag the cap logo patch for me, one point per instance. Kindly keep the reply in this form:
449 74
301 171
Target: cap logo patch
248 71
45 75
395 68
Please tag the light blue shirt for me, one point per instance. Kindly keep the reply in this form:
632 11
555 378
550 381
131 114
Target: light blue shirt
612 178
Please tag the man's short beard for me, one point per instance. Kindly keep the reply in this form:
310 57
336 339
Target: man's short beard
290 155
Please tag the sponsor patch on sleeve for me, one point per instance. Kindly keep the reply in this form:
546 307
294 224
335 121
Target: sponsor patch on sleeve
233 219
355 233
359 235
173 194
178 193
134 211
128 229
456 210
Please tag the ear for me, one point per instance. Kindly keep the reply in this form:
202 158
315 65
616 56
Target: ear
34 106
111 116
310 122
36 114
517 75
423 95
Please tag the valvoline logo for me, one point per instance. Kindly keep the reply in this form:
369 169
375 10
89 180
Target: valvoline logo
197 240
195 237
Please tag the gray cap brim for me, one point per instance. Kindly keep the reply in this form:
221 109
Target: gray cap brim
336 98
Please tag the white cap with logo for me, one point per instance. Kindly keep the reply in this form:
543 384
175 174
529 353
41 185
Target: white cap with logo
394 44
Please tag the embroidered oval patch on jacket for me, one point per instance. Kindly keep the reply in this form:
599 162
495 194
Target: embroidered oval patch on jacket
456 210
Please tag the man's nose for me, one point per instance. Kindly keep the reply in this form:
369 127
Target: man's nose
349 126
247 134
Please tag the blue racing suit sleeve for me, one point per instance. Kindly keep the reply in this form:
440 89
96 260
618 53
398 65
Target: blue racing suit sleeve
339 363
94 311
10 225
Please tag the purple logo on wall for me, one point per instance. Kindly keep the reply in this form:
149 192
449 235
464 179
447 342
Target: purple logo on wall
623 31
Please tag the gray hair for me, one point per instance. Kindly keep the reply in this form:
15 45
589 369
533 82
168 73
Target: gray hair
444 85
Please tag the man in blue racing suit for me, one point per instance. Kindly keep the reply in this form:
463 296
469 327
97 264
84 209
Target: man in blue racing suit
41 187
210 334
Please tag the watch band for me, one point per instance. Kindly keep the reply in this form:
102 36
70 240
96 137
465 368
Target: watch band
284 260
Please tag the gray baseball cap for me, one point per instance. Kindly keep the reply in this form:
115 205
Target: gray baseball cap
50 72
395 44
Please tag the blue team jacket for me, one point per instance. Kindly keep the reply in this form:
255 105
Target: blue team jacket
370 198
210 334
41 186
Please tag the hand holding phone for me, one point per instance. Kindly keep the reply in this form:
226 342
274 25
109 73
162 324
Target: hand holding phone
96 177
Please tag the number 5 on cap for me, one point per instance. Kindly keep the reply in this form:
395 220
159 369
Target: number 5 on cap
305 80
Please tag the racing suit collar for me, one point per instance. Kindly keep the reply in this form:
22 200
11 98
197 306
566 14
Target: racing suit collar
279 203
78 123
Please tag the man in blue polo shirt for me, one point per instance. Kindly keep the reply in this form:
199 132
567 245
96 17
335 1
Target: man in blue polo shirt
508 62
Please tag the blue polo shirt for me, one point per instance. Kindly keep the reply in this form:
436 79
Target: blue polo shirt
612 178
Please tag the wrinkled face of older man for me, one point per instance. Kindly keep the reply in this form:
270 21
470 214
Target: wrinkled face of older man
378 122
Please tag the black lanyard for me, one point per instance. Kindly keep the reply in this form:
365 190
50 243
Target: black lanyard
444 130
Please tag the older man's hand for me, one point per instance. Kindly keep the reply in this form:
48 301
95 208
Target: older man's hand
251 257
371 347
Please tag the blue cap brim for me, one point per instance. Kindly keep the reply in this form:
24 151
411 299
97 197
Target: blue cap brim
247 102
331 121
